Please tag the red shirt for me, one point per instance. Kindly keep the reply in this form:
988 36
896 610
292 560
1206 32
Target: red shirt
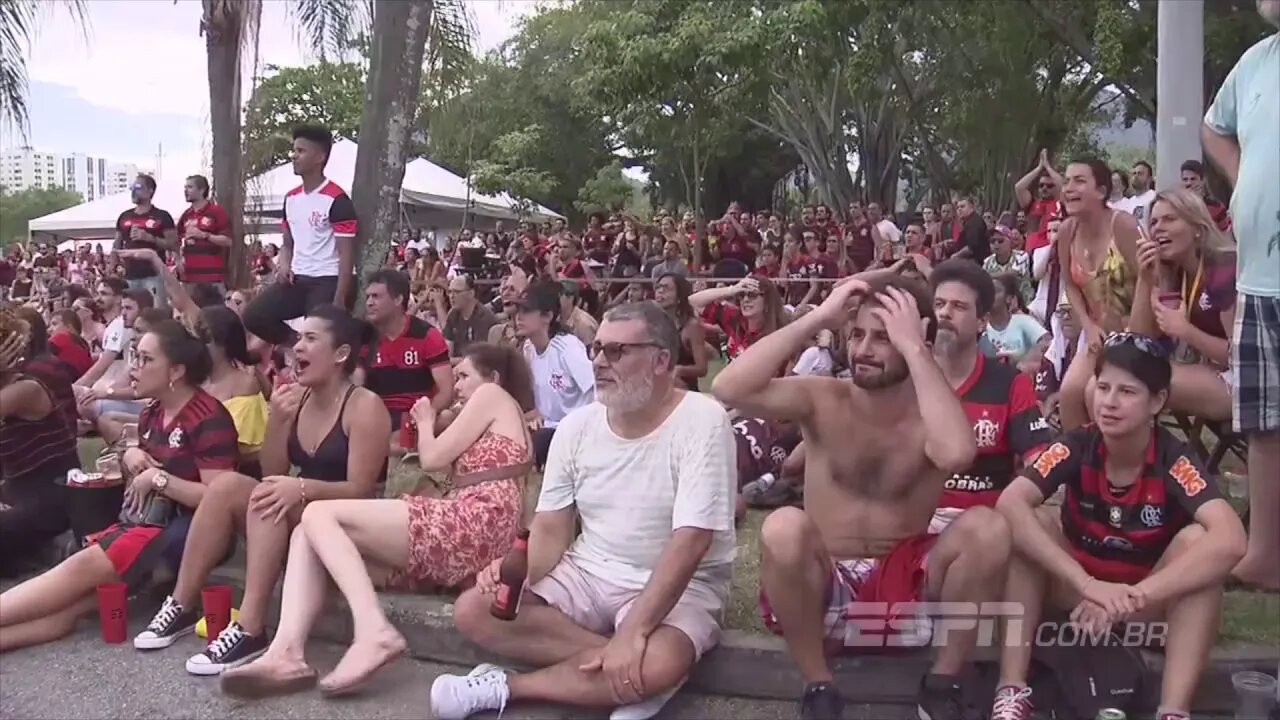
72 350
401 369
202 260
1042 211
728 317
799 272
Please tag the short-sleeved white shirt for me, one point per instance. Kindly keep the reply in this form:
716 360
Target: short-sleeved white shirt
118 339
316 220
563 379
631 495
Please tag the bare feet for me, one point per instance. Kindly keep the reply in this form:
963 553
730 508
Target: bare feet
362 660
1256 574
268 676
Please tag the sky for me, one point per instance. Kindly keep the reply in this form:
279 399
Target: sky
132 85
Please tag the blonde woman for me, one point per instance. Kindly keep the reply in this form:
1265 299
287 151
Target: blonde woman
1186 292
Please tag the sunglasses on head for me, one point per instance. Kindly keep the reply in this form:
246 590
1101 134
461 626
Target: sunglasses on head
613 352
1141 342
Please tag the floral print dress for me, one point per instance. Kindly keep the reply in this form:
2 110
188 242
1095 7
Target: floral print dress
454 537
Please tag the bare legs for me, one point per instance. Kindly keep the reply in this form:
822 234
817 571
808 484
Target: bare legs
220 512
1261 563
795 568
345 534
544 636
967 565
269 541
47 606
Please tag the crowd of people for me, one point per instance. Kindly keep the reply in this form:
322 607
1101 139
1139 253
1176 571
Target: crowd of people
905 392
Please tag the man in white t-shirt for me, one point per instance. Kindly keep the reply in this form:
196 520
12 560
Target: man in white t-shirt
1139 204
317 257
617 615
884 231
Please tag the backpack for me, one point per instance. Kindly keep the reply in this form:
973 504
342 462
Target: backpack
1071 682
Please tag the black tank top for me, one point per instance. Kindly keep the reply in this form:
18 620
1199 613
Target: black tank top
686 358
329 462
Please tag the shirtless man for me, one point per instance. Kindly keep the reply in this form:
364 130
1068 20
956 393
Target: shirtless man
878 451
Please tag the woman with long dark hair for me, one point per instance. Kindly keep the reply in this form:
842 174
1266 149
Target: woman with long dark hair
411 542
335 433
757 311
672 292
187 441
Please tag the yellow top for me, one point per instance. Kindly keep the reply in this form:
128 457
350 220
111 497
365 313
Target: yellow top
249 413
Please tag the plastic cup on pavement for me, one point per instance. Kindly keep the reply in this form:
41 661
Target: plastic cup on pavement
113 601
217 610
1255 694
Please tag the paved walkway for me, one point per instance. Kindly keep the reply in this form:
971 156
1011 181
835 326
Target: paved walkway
82 677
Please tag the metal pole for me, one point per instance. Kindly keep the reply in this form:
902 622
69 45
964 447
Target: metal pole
1179 87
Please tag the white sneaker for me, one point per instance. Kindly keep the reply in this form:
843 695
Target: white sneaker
457 697
647 708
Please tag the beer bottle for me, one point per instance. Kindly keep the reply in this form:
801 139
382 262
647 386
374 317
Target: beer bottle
511 576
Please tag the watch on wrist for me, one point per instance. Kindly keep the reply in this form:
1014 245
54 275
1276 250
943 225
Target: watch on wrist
160 481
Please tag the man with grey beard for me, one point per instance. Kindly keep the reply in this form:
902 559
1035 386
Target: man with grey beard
999 401
615 616
854 567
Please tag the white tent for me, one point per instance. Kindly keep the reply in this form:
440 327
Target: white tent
430 196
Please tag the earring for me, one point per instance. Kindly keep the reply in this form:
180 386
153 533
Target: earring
170 384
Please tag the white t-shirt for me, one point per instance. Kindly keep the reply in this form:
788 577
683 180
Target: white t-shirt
315 220
630 495
1138 206
891 234
118 339
815 361
563 379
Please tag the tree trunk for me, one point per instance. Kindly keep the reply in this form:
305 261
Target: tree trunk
224 25
390 107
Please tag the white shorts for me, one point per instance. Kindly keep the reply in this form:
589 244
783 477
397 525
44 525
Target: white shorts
600 606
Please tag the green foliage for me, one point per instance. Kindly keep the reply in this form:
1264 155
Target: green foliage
328 94
608 191
507 169
17 209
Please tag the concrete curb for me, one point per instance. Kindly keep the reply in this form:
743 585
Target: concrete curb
744 664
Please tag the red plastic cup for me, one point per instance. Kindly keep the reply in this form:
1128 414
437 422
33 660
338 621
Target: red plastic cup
217 610
408 432
1170 299
113 601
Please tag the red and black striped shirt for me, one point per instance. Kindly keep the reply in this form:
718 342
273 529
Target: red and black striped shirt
400 372
1120 537
202 436
44 448
1001 405
202 260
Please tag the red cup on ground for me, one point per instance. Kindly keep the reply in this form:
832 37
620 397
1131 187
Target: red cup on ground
113 601
217 610
408 432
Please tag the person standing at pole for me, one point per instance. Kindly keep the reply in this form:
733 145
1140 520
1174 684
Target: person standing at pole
1240 137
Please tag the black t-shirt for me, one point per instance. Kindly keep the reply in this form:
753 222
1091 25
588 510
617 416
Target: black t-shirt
154 223
975 236
1120 537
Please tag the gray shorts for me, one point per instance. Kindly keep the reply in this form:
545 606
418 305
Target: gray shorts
1255 364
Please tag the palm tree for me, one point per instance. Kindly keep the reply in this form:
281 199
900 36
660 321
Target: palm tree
401 32
18 20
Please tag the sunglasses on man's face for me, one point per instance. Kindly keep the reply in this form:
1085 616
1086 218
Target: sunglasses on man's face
613 352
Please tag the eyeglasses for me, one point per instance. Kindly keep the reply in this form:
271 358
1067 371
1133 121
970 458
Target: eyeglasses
1141 342
750 296
613 352
1046 186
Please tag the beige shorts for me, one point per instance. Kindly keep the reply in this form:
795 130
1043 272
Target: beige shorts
600 606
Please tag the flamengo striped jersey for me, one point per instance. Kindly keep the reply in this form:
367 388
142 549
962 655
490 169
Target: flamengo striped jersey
201 436
315 220
1120 537
400 371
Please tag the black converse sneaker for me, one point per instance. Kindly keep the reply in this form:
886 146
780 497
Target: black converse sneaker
170 623
233 647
